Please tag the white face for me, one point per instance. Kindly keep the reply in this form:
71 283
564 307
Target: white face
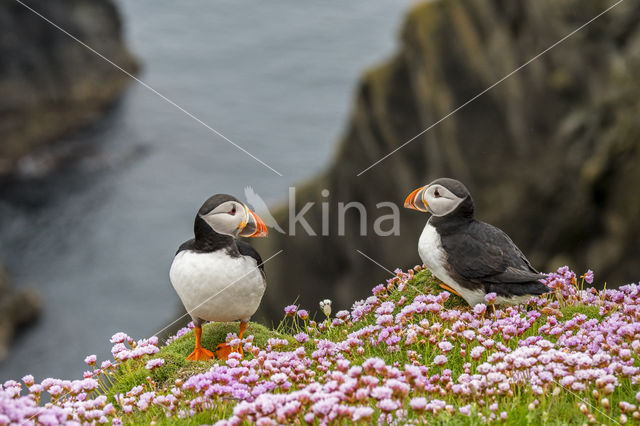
439 200
227 218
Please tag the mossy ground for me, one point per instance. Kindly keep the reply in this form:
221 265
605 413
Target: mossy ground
176 365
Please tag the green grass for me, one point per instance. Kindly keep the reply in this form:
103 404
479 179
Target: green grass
559 409
133 373
425 283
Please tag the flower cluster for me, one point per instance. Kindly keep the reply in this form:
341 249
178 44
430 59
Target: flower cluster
401 355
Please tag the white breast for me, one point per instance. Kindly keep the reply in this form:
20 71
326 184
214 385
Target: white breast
217 287
435 258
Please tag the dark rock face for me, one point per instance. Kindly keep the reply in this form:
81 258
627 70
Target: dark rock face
550 155
17 308
50 84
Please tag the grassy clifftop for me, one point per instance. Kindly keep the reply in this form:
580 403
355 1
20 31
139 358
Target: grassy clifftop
407 354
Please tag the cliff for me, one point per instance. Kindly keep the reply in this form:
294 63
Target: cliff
550 155
17 308
50 84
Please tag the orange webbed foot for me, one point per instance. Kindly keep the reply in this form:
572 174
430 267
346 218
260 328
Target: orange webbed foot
449 289
200 354
223 350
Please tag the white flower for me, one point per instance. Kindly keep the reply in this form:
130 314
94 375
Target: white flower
325 305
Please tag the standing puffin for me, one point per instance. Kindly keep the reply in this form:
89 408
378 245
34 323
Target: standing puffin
470 257
217 277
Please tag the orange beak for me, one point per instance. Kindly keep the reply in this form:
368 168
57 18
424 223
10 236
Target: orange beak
254 226
415 201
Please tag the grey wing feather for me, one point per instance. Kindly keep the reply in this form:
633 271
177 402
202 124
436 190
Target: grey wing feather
485 254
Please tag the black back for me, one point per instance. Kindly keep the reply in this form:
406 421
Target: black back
480 253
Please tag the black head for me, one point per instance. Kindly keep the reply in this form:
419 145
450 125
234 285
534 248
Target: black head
222 218
443 198
215 201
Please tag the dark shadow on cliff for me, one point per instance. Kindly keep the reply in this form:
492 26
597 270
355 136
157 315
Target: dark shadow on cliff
550 155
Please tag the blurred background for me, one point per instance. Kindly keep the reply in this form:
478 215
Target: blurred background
100 178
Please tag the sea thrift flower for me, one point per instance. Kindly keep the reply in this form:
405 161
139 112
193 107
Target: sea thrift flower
303 315
343 315
418 404
90 360
479 309
361 413
120 337
588 277
379 289
154 363
445 346
301 337
440 360
477 352
290 310
491 298
388 405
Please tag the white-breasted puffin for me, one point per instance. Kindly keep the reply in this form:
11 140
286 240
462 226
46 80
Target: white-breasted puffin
217 277
470 257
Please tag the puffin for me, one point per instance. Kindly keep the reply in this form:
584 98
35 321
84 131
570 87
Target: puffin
470 257
217 276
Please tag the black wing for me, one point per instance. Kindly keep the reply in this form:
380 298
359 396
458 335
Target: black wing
246 250
484 254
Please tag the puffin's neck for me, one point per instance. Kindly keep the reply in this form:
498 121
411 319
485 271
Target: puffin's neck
460 217
206 239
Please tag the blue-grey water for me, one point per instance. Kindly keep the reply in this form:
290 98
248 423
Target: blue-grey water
97 239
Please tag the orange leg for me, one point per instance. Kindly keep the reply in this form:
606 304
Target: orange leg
199 353
449 289
223 350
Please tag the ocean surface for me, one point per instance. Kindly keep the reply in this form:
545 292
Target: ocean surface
97 237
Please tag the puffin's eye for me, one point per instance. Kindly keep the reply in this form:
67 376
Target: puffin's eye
436 194
233 211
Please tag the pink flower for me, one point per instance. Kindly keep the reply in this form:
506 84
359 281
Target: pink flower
588 277
290 310
388 405
479 309
343 315
90 360
466 409
445 346
119 337
154 363
361 413
477 352
303 315
301 337
490 298
440 360
418 404
379 289
381 392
